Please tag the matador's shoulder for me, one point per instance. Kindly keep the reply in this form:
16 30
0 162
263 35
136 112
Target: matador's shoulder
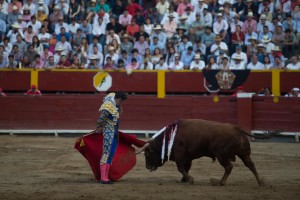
110 107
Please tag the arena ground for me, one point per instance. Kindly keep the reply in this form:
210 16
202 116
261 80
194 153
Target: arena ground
41 167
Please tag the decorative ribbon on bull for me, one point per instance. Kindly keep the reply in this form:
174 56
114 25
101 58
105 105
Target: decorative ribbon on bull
168 139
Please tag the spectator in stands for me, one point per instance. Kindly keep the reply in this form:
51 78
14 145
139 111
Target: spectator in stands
126 45
294 64
66 45
33 91
21 44
156 56
237 63
132 7
220 24
277 52
266 41
156 44
183 22
218 45
265 33
162 37
255 64
12 17
171 12
13 33
108 64
133 28
112 53
141 45
177 64
265 92
278 37
87 30
135 54
162 65
29 35
249 34
294 93
96 53
240 89
170 26
17 55
40 15
46 54
187 57
212 63
155 16
26 14
58 52
63 62
197 64
250 22
239 52
12 63
133 65
185 44
263 23
146 65
289 43
26 63
37 63
120 65
236 21
238 37
38 47
30 53
22 24
3 62
208 38
267 62
162 6
2 94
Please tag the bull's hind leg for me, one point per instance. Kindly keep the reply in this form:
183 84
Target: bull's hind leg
227 165
250 164
184 168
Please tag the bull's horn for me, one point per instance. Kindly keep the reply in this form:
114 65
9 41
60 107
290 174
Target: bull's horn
142 149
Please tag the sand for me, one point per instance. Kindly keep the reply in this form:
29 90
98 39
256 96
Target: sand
46 167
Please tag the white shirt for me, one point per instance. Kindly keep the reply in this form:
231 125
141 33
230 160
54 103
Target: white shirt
73 28
98 29
223 46
163 67
31 8
109 38
175 66
67 47
269 46
148 28
13 36
233 26
44 36
199 65
166 17
148 67
99 56
35 27
293 67
114 58
105 18
242 55
208 19
162 8
218 26
190 18
5 7
237 66
23 26
257 66
65 9
58 27
199 9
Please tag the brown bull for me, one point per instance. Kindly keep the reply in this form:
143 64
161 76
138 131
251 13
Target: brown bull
196 138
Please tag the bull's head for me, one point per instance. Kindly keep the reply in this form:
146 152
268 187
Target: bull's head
152 156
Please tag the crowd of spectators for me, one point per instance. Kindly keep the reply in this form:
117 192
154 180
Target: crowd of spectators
162 34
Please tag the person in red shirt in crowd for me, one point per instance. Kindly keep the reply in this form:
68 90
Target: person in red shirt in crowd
33 91
240 89
133 28
63 62
2 94
132 7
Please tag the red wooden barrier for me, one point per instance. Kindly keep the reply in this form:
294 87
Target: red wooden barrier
146 112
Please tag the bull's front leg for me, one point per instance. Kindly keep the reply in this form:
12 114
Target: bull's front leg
183 168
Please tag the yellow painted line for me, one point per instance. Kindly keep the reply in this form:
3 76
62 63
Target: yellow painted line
34 77
161 84
276 82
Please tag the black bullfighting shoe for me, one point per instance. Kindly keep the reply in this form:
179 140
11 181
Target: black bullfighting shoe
105 182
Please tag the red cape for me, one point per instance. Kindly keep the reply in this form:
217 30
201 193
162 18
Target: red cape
90 146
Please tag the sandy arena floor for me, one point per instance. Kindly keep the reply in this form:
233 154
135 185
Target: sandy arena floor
36 167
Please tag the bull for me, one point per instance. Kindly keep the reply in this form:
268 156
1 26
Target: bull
196 138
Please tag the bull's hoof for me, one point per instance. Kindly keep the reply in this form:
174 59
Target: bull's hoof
262 183
183 180
215 182
191 180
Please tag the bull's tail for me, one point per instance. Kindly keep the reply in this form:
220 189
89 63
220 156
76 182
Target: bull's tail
267 135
